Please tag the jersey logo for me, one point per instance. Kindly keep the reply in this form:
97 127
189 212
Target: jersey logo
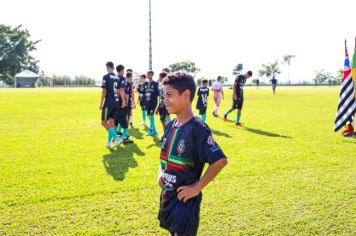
181 147
211 141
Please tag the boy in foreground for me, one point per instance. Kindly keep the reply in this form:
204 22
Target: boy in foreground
202 103
187 146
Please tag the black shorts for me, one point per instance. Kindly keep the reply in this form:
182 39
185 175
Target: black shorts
179 217
121 118
237 104
143 105
151 107
109 113
163 113
202 110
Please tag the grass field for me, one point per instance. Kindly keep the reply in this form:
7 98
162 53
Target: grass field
288 172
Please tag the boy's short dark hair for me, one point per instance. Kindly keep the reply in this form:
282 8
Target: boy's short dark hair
129 70
219 78
119 68
205 81
143 76
150 72
162 74
181 81
249 73
167 70
109 64
128 74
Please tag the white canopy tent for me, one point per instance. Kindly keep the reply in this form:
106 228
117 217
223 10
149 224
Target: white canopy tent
26 79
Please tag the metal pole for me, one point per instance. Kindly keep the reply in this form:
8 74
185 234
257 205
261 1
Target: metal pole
150 38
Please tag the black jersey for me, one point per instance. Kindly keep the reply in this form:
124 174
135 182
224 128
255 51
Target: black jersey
240 83
142 90
184 152
152 92
202 94
121 84
128 91
110 84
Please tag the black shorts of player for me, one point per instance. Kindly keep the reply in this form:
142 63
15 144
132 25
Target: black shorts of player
179 217
202 110
151 107
109 113
237 104
163 113
143 105
128 111
121 118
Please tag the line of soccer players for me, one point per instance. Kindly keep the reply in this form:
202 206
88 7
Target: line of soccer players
117 101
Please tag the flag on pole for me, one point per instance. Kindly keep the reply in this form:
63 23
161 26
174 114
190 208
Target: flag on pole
347 104
354 68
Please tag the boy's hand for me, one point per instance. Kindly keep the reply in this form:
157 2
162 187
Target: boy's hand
156 112
161 180
187 192
235 97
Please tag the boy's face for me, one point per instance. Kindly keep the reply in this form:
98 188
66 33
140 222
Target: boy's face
205 85
149 76
121 72
142 80
109 69
175 103
129 79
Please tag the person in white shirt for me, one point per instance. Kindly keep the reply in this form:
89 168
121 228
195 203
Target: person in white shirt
218 94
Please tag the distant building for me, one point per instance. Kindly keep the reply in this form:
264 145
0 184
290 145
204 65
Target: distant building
26 79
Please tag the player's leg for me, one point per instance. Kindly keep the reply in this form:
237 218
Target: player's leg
143 112
151 109
124 122
217 99
238 115
234 105
111 130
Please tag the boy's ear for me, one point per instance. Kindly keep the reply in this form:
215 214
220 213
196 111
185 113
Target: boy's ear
187 93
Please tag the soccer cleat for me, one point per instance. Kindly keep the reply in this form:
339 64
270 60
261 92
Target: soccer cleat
108 145
238 124
151 133
117 143
127 140
225 117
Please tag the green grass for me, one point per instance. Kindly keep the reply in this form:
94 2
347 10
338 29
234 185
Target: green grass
288 172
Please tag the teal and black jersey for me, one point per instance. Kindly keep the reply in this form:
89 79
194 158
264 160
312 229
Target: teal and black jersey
184 152
128 91
202 94
152 92
240 83
110 83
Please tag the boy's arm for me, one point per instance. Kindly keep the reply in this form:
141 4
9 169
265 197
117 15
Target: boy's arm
123 97
187 192
103 95
234 90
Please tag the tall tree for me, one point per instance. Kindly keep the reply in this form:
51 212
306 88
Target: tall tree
15 49
237 69
185 66
286 59
269 70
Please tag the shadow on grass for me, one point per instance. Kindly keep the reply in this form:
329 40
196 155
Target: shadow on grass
135 132
119 160
218 133
265 133
156 142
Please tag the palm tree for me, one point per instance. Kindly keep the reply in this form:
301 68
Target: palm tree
269 70
286 59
